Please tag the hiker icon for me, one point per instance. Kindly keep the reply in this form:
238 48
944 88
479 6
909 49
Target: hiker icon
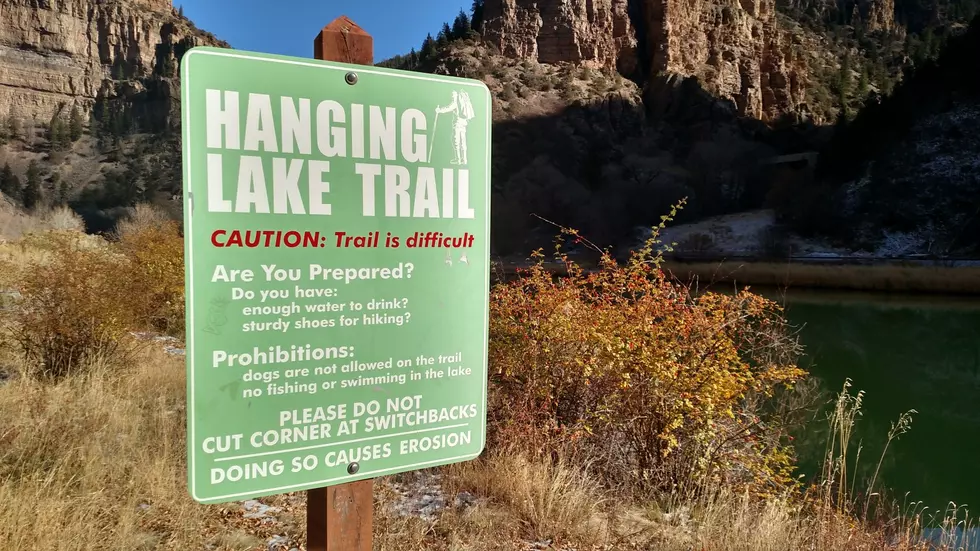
462 110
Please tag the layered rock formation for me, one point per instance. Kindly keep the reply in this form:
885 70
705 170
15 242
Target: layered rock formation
735 48
881 15
57 53
591 32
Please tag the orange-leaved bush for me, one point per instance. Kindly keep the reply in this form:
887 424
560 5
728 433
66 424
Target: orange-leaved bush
632 368
74 307
156 254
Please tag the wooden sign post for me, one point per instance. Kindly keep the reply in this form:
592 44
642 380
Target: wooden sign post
341 518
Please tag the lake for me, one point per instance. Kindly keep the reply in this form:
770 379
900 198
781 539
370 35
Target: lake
904 352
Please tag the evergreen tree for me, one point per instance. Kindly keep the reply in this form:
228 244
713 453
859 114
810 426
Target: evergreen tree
461 26
32 189
60 188
443 38
13 125
428 48
75 124
58 133
63 192
10 183
30 131
863 86
477 21
843 86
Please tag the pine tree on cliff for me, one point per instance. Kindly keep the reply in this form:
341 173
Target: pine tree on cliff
58 134
429 50
75 124
10 183
13 125
461 26
32 189
477 21
442 39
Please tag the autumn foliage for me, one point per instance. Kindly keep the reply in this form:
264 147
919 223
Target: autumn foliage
655 386
74 307
81 296
156 254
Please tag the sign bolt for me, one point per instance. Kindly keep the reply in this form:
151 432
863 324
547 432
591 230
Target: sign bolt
353 467
351 78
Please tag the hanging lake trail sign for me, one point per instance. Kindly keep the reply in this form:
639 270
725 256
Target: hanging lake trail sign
337 269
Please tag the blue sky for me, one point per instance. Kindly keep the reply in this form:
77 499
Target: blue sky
270 26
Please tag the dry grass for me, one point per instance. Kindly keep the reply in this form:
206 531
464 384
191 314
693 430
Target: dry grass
551 501
141 217
99 460
15 223
913 279
79 459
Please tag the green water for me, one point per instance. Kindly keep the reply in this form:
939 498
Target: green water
905 353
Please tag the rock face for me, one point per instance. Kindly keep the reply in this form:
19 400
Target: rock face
881 15
590 32
735 48
58 53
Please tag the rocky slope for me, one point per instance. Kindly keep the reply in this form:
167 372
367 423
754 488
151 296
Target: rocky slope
902 177
60 53
89 97
736 48
580 146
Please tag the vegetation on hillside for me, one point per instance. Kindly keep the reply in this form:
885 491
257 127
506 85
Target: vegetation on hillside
904 163
865 61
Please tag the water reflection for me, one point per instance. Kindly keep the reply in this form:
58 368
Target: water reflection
905 353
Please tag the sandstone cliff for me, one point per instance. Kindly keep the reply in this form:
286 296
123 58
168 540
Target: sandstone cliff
881 15
58 53
735 48
591 32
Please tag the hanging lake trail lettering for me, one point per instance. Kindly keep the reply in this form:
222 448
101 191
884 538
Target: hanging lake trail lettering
338 270
357 131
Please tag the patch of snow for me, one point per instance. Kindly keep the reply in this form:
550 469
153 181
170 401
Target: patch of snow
278 543
900 244
423 496
258 510
740 234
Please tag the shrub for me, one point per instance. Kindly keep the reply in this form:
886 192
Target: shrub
142 216
156 267
624 364
697 243
64 218
73 308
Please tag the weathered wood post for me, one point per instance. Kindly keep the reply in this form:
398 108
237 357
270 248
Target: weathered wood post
341 518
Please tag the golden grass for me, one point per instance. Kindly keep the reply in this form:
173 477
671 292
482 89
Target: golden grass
550 501
912 279
15 223
141 216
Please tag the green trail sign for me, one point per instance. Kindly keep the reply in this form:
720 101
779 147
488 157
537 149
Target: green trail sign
337 251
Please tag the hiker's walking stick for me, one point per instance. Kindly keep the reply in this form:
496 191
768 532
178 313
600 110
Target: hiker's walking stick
432 138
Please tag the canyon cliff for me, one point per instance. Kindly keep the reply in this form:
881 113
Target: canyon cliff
55 54
736 49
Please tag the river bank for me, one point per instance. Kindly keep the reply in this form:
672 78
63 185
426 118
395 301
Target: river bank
890 278
963 280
